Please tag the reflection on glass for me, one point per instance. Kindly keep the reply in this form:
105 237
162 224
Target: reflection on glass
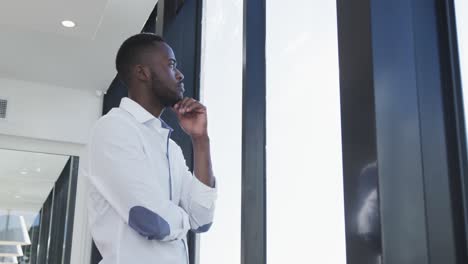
221 92
29 181
11 251
367 217
305 204
8 260
13 230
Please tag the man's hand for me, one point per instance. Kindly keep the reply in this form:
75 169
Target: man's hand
193 120
192 117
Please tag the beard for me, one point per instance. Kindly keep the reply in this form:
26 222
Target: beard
163 92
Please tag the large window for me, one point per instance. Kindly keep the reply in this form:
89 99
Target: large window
305 214
305 207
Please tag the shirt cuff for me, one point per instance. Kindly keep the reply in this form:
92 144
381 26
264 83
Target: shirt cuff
202 194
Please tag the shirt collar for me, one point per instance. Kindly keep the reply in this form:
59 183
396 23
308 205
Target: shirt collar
140 114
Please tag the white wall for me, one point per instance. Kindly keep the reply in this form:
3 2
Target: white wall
48 112
51 119
82 241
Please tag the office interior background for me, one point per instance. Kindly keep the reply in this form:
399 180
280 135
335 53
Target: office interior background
338 128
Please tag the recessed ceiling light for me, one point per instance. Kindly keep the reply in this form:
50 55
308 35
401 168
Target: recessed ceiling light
38 169
68 23
24 172
17 196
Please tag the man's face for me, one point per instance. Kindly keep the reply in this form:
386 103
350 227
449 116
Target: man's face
166 79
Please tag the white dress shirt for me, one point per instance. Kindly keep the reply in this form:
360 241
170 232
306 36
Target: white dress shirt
142 198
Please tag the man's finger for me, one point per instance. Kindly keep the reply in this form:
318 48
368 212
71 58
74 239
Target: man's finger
179 105
197 107
191 105
186 102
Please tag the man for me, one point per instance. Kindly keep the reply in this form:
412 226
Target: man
142 198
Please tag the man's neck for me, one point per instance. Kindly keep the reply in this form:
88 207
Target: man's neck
155 108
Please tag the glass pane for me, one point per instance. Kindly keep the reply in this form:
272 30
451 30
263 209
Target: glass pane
34 233
57 234
305 207
222 94
44 230
461 13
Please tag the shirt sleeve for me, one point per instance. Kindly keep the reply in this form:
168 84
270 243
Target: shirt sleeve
121 172
197 199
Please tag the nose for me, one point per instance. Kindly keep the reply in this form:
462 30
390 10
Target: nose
179 76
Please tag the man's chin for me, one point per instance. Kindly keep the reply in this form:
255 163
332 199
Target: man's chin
180 97
175 101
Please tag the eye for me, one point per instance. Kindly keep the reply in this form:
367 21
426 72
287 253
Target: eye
173 65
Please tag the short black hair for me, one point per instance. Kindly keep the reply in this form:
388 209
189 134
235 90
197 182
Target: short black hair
130 52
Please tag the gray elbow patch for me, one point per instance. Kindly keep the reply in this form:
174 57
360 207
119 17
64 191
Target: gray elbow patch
148 224
203 228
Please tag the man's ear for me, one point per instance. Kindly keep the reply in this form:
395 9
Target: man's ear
142 72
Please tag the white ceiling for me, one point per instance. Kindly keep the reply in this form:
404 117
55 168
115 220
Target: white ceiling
27 179
35 46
